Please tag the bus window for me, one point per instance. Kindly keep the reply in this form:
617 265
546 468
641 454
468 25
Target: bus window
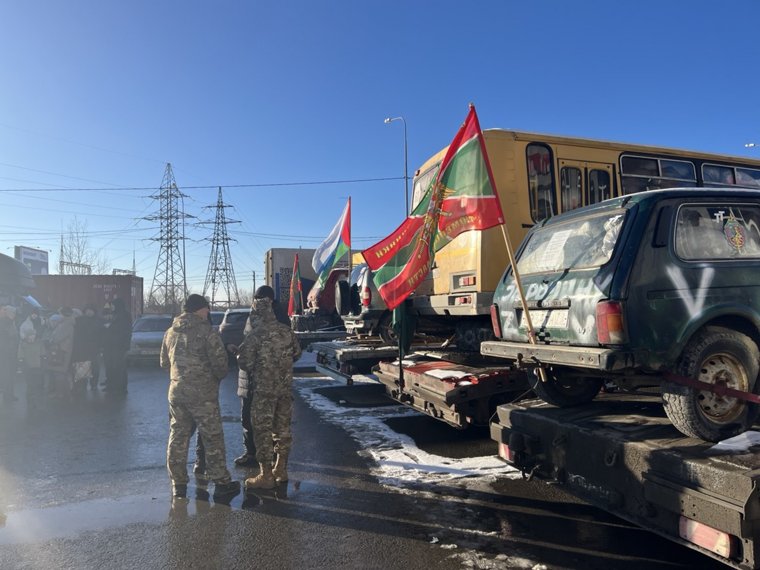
747 177
571 193
678 170
717 175
638 166
639 173
540 182
422 184
598 186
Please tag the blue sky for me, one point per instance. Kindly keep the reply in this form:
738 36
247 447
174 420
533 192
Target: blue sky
102 94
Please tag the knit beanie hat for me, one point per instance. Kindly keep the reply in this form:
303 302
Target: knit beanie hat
194 303
264 292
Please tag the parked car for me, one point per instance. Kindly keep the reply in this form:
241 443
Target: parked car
233 325
659 288
216 319
147 335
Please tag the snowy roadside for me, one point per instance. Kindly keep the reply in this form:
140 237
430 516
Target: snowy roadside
396 456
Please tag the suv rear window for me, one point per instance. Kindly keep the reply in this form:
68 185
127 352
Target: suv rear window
712 231
577 244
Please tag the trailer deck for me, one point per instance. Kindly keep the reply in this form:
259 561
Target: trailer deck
457 394
622 454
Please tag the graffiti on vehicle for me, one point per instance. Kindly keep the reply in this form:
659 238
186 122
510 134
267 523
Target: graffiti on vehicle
694 301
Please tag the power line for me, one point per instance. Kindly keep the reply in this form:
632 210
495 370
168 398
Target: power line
228 186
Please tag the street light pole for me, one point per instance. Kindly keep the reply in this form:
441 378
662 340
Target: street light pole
406 163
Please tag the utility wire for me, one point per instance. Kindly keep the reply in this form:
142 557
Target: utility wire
214 186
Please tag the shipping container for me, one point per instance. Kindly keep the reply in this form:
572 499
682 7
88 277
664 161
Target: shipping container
279 268
76 291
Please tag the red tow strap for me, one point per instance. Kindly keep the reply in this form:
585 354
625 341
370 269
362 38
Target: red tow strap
719 389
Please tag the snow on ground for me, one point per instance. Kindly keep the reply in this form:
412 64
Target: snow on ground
396 456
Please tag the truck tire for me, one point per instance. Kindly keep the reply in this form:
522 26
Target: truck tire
386 331
714 355
342 297
565 391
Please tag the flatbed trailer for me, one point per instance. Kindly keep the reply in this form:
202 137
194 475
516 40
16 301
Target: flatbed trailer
306 338
458 387
622 454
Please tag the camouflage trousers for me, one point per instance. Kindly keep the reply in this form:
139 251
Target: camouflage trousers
270 418
184 416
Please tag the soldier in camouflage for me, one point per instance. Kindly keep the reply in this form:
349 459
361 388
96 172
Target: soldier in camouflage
197 362
267 354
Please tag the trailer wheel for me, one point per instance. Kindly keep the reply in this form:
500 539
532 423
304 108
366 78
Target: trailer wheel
720 356
386 331
564 391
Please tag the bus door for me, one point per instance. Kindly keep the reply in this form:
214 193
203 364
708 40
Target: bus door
582 183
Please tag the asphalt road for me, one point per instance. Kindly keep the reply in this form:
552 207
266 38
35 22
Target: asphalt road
84 485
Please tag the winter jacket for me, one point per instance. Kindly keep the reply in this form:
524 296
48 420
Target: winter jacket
195 356
244 381
30 346
268 351
61 340
8 344
87 338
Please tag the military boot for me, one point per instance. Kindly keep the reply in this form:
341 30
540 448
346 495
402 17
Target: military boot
280 471
264 480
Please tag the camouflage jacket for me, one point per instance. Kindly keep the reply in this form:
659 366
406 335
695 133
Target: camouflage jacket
194 354
268 351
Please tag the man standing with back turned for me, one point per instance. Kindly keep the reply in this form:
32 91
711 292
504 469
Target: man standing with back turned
195 355
267 354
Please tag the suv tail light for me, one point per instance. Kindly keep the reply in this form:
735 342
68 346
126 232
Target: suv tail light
366 296
495 320
610 328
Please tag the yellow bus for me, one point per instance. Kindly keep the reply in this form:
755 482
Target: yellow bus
538 176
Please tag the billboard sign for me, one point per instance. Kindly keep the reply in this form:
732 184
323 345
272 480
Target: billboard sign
35 259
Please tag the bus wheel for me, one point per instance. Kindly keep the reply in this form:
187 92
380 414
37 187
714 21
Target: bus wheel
564 391
719 356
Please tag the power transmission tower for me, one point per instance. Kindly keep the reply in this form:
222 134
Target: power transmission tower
169 286
220 275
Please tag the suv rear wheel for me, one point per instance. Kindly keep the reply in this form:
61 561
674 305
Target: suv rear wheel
386 331
720 356
563 390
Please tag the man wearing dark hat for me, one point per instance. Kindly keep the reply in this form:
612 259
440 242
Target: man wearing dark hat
267 355
248 458
197 362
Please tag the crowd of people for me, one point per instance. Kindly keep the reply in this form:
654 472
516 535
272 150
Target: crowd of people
61 354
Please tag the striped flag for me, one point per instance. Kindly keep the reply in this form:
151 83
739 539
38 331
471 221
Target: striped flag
461 197
333 248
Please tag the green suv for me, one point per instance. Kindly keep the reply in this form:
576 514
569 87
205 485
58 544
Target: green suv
656 289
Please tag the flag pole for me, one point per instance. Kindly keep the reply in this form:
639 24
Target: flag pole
523 301
349 242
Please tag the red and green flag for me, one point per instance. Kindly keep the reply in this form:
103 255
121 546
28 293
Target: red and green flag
461 197
295 302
